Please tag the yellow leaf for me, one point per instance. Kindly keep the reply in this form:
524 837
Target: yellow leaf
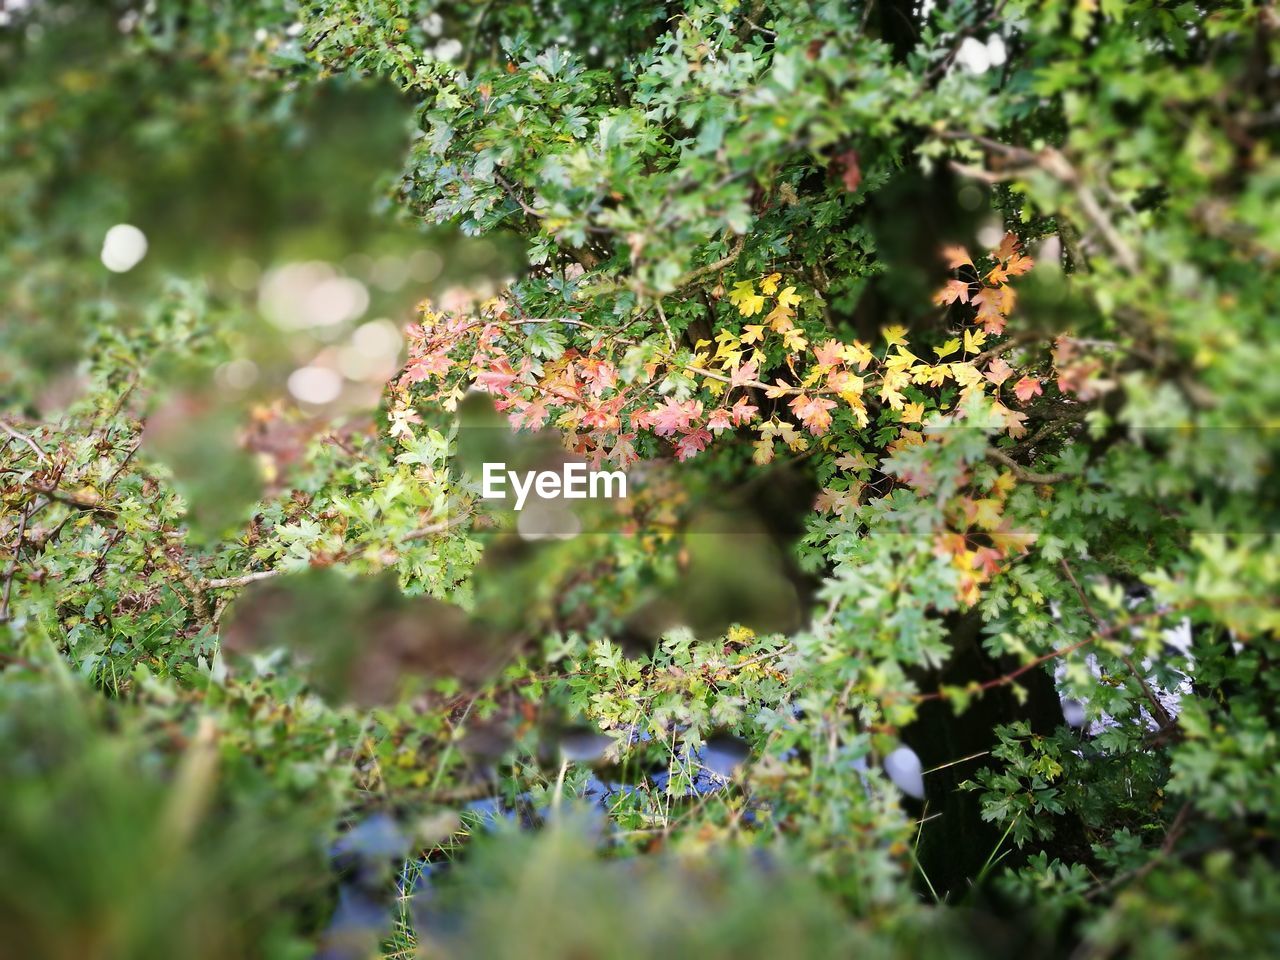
779 389
728 358
794 340
769 285
858 407
846 384
987 513
966 374
913 413
895 334
973 340
788 298
744 297
857 354
853 461
948 348
892 397
780 319
901 360
752 332
933 375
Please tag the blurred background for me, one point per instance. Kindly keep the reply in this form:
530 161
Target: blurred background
119 170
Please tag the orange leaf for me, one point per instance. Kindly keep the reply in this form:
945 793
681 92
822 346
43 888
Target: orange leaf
953 291
1026 388
956 257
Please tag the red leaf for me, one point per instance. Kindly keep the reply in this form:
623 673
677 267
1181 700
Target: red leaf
743 373
829 354
998 371
1026 388
692 444
498 378
528 415
743 412
813 412
673 417
719 421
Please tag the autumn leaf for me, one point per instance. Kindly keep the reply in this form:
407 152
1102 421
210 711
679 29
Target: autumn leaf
835 501
498 378
998 371
692 444
743 412
904 359
794 340
1026 388
987 513
1018 265
601 375
953 291
769 284
966 374
846 384
744 297
743 374
1015 422
780 389
913 413
986 561
719 421
894 335
813 412
973 341
934 375
853 461
1003 485
994 304
892 397
858 354
673 417
528 415
788 298
948 348
956 257
829 353
1008 246
752 332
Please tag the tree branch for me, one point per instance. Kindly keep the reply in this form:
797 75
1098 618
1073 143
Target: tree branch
1022 473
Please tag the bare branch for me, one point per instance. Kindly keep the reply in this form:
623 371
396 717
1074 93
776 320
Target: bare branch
1022 473
18 435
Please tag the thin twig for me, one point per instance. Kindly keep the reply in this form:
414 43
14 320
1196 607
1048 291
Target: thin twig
13 564
244 579
18 435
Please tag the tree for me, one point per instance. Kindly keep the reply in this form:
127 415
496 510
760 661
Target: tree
995 280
